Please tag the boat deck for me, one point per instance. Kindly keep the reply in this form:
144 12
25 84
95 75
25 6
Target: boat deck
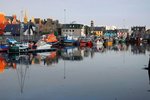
33 50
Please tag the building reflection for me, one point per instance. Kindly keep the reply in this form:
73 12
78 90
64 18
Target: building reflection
139 49
70 53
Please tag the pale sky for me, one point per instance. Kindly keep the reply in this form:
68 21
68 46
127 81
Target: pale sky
121 13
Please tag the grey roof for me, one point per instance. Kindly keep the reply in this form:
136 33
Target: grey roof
99 28
72 26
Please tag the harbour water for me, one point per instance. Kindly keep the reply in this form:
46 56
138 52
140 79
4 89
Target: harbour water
72 73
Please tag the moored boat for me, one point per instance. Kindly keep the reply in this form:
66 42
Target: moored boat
69 41
42 45
85 42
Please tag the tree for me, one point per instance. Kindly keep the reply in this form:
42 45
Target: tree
2 23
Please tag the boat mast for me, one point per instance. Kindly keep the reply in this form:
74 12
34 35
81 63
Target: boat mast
21 25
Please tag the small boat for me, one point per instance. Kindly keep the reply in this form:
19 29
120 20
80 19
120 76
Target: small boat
43 45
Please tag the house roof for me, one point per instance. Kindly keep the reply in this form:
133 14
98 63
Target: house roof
72 26
99 28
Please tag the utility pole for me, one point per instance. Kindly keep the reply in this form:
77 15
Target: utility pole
64 16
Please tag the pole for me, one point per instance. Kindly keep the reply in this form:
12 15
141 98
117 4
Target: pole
21 25
64 16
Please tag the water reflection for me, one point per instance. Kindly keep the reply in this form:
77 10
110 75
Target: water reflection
138 49
148 69
71 53
63 56
23 66
65 53
20 63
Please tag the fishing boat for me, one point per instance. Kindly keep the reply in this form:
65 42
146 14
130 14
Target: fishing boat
69 41
42 45
85 42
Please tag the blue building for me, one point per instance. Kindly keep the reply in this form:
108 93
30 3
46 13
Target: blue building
110 33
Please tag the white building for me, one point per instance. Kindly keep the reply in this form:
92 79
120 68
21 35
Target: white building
74 30
111 27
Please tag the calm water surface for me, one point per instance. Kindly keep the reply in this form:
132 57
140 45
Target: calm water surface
110 73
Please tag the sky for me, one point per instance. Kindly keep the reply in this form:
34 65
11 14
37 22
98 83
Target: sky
120 13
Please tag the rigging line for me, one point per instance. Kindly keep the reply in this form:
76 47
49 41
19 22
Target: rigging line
24 78
18 78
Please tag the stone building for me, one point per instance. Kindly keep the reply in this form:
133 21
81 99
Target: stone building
138 31
49 26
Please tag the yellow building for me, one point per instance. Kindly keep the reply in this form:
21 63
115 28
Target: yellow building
98 31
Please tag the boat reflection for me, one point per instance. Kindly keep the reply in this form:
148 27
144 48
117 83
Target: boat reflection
70 53
45 58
